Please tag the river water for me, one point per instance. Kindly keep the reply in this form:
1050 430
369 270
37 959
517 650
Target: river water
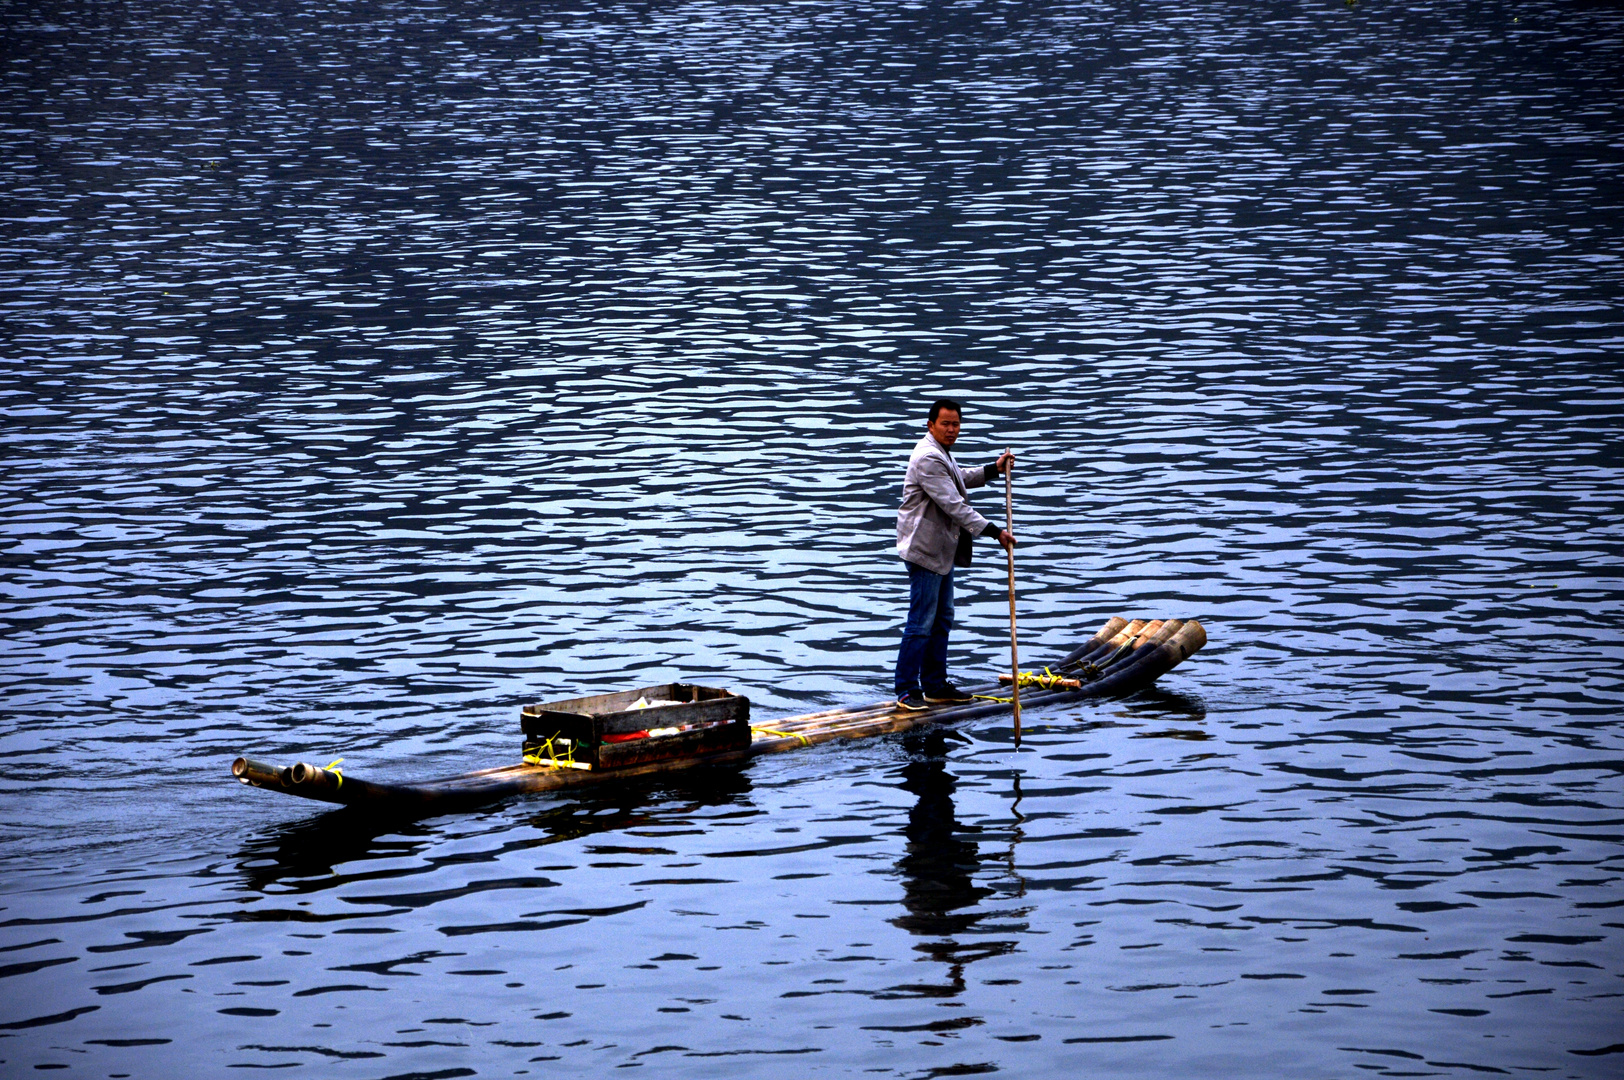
372 369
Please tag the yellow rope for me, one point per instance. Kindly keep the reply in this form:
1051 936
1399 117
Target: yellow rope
336 771
534 758
783 734
1048 680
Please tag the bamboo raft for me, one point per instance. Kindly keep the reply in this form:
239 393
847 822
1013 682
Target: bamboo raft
1122 657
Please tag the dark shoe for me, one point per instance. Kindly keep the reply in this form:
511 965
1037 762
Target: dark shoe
947 694
913 701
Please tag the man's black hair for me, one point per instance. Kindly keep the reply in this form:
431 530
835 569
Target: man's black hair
944 403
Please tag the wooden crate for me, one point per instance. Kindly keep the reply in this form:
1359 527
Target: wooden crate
602 731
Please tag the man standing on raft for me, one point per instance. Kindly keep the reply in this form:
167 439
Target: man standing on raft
935 526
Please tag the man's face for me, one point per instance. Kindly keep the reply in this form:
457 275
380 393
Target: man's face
945 428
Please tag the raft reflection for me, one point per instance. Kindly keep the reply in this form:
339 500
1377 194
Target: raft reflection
306 856
1157 701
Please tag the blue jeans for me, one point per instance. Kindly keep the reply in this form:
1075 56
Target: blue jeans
922 660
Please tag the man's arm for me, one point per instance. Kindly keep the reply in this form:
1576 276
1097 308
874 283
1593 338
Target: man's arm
933 479
1005 538
984 474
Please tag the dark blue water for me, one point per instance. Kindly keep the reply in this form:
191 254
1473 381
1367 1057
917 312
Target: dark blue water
372 369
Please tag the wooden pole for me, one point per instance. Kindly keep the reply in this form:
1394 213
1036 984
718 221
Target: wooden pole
1014 649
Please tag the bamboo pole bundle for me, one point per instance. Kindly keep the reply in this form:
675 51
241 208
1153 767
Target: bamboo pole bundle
1130 655
1092 647
1111 644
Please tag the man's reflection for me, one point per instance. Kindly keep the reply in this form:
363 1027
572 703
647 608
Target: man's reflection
939 866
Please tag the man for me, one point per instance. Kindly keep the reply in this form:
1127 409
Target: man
934 528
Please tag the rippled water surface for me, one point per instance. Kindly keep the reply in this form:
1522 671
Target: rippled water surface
371 369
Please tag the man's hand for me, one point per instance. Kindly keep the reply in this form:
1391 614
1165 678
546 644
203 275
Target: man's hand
1006 538
1005 460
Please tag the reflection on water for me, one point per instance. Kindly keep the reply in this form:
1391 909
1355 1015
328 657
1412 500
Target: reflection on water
304 853
373 369
1173 704
939 868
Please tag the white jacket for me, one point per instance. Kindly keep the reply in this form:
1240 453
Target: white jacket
936 508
